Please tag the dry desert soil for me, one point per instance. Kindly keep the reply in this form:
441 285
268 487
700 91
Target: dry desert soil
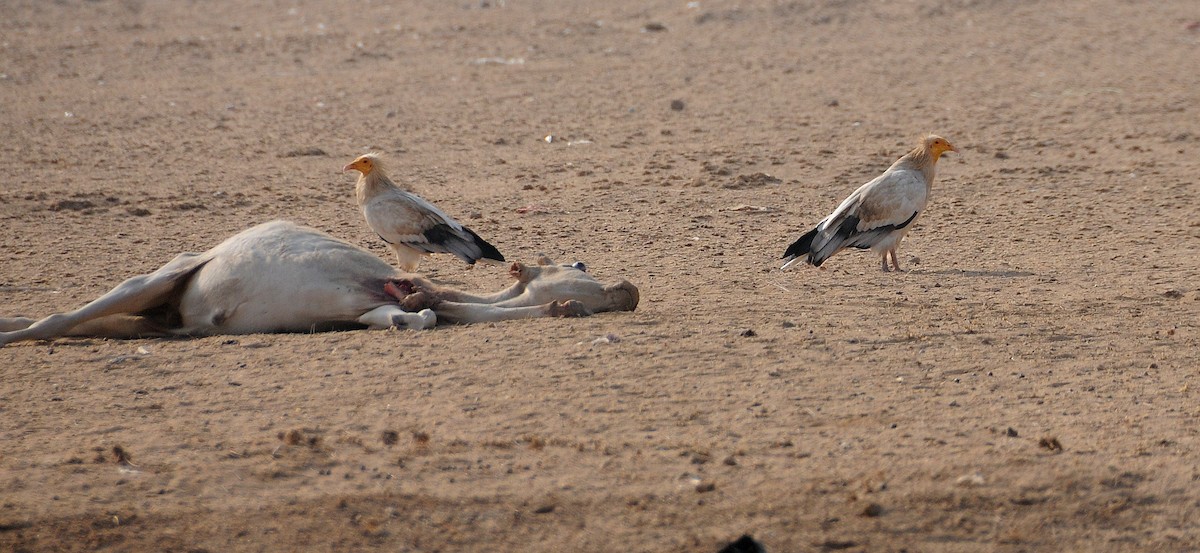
1029 384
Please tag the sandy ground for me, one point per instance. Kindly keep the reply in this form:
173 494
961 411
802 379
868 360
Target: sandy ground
1030 384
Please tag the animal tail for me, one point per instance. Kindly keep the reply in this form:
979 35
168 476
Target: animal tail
800 250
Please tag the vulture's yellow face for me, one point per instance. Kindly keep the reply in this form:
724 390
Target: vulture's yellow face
938 146
364 165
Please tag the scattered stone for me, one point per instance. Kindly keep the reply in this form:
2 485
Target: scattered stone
72 205
292 437
677 105
705 487
654 27
745 208
389 437
748 333
498 61
1011 432
754 180
120 456
606 339
744 544
967 480
872 510
297 437
1050 443
714 169
544 509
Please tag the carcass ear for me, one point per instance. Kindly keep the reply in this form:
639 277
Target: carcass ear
544 260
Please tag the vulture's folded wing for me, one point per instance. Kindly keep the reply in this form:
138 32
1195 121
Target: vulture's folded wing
879 208
403 218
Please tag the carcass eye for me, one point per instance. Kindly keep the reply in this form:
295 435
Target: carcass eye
579 265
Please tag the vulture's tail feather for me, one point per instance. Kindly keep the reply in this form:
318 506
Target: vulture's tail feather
800 249
487 251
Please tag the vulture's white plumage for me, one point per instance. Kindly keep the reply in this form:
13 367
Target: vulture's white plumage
412 226
878 214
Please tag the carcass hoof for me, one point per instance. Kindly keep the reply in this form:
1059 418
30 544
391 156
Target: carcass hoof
428 317
417 301
524 273
423 320
569 308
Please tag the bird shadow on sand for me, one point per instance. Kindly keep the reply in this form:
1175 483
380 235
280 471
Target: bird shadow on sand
993 274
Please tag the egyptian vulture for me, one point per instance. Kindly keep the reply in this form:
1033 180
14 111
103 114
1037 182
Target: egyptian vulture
412 226
878 214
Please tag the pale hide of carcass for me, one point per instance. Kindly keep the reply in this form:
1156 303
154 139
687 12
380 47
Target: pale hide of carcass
282 277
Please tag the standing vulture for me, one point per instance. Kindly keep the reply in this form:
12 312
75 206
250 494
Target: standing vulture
412 226
878 214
